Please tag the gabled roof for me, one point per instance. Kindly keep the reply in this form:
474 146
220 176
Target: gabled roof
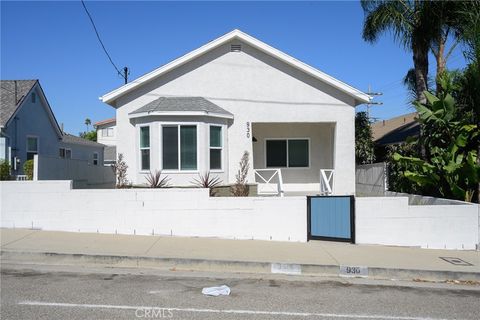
181 106
359 96
10 105
12 94
106 121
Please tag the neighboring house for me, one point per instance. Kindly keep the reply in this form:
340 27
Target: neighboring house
106 134
395 130
28 127
201 111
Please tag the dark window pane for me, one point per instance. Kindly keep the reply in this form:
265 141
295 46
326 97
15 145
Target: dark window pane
170 147
145 159
276 153
144 137
30 155
298 153
32 144
188 148
215 136
215 159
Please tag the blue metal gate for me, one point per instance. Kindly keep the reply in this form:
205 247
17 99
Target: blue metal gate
331 218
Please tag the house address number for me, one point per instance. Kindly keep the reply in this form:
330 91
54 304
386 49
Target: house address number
353 271
249 130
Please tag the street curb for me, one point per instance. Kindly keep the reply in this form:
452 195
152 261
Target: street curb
182 264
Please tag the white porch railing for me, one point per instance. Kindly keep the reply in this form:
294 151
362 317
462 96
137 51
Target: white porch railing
326 181
268 187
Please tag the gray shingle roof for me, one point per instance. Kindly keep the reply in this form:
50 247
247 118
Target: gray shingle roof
8 103
69 138
182 104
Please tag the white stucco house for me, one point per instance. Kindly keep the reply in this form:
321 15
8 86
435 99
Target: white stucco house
28 127
201 111
107 135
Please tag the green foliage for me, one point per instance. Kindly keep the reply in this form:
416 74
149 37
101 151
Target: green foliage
28 169
451 168
364 148
396 170
89 135
4 170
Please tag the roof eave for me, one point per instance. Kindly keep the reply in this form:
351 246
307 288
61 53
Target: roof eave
180 113
358 95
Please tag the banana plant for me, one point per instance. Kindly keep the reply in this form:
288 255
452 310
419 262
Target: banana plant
451 168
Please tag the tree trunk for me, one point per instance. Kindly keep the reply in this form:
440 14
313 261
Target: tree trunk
441 64
420 63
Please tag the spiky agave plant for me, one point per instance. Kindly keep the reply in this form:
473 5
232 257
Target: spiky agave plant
155 180
207 181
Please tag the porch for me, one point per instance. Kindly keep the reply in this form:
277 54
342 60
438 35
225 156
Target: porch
291 159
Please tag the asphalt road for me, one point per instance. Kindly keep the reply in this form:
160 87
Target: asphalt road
35 293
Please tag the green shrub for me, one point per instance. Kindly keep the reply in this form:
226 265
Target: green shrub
28 169
4 170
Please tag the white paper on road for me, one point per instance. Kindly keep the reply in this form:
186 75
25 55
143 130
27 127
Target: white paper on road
216 291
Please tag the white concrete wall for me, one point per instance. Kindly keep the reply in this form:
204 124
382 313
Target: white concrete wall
83 173
391 221
53 205
255 88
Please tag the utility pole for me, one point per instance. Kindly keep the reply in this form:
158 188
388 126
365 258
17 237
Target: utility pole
370 93
125 74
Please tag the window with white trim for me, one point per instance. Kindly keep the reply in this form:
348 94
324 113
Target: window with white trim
179 147
145 148
107 132
95 158
216 145
291 153
32 147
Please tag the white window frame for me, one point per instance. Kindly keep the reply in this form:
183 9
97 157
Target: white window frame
288 160
216 148
104 132
95 159
109 132
140 148
178 125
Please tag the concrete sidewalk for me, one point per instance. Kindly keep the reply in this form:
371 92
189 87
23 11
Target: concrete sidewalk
312 258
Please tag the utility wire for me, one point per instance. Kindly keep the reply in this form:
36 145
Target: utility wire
100 40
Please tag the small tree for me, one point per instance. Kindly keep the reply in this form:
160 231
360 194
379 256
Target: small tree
241 188
28 169
120 169
88 122
4 170
364 148
89 135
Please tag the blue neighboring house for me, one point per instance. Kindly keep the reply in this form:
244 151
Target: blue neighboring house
28 127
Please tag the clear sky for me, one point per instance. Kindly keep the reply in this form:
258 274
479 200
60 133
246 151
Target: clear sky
55 42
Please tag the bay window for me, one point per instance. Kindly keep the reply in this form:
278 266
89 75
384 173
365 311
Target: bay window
179 147
216 148
145 148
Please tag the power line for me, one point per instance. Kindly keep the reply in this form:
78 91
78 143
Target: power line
125 72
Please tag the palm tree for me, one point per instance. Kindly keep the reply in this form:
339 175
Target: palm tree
410 23
88 122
